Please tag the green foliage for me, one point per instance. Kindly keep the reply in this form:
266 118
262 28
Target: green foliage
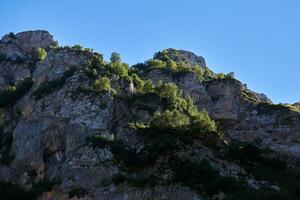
102 84
39 54
167 90
138 83
169 119
77 47
96 66
156 64
220 76
119 69
148 86
115 58
164 62
202 123
97 61
177 65
51 86
12 94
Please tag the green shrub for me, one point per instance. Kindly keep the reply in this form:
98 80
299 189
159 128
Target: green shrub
39 54
155 63
102 84
202 123
199 71
138 83
167 90
148 86
51 86
12 94
169 119
119 69
115 58
97 61
77 47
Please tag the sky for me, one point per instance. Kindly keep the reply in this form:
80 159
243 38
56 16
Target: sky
259 40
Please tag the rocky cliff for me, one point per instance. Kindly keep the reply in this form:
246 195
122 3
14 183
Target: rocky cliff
73 126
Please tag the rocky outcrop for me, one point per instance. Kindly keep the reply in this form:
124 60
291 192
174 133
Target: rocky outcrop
18 46
16 55
183 56
51 134
245 115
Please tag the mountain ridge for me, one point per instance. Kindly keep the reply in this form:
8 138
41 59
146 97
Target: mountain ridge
168 128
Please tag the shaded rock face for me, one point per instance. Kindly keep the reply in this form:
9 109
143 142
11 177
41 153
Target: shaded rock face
242 119
50 134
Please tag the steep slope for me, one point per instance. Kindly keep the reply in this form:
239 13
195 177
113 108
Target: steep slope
74 126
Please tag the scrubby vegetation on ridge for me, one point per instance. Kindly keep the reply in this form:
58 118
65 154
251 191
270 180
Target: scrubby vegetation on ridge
162 61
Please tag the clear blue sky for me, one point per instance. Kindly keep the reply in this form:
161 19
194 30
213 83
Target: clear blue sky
259 39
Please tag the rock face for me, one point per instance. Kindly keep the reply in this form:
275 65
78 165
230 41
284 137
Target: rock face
16 54
51 131
17 46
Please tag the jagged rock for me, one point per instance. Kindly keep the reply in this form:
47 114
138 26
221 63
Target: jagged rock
50 133
225 101
17 46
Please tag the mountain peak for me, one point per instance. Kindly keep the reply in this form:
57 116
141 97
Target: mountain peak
16 46
181 56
